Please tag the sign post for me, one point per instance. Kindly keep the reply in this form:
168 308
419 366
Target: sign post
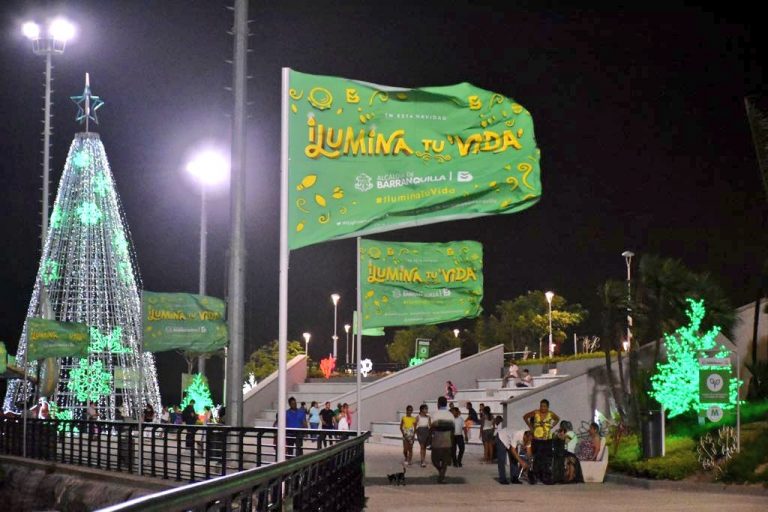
715 374
422 348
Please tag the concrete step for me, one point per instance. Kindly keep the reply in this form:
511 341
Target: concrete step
480 394
538 381
496 405
324 387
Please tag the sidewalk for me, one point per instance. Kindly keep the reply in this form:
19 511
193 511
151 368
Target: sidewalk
475 485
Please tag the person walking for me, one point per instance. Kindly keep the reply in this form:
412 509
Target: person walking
189 416
441 430
408 429
460 432
423 423
295 418
327 422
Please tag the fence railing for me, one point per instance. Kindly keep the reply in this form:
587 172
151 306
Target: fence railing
330 479
177 452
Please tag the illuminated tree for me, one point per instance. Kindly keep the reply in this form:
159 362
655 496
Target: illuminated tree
198 391
88 274
676 383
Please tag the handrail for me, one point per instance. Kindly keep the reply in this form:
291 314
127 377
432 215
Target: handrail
222 489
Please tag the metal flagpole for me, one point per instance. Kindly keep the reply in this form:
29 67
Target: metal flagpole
140 408
358 341
26 394
282 335
738 402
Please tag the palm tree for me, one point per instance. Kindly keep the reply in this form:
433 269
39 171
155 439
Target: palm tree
613 301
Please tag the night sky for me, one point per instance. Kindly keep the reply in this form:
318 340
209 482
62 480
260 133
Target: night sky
639 116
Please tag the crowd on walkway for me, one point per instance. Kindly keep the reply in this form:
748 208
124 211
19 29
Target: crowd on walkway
323 420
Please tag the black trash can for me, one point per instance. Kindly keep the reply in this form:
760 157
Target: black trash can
652 433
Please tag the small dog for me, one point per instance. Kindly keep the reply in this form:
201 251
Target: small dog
397 478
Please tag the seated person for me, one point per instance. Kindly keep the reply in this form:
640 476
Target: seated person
589 448
526 381
513 373
566 433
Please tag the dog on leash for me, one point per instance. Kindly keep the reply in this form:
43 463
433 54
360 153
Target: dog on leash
397 478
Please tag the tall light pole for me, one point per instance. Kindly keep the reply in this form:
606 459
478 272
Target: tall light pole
550 296
208 168
628 258
335 299
306 343
346 352
47 43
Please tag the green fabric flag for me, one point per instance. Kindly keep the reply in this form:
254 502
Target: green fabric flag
183 321
3 357
366 158
372 331
49 338
420 283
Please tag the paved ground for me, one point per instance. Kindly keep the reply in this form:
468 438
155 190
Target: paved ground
475 485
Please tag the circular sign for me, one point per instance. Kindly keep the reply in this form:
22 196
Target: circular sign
715 413
714 382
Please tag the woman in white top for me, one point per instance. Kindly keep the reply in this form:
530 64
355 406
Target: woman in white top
423 423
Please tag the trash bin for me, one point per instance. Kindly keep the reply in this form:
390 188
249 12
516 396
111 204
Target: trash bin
652 432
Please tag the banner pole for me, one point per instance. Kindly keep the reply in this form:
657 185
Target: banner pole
140 407
282 335
358 342
26 397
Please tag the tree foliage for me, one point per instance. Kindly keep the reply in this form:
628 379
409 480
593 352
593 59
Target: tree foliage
263 361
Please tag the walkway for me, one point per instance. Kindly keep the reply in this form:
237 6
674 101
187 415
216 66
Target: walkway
475 485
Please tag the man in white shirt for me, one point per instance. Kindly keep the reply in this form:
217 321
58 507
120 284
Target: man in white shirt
442 427
459 436
506 442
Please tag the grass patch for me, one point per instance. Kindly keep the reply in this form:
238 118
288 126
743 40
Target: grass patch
751 464
679 462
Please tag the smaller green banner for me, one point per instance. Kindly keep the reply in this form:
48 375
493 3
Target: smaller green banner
373 331
49 338
195 323
714 385
3 358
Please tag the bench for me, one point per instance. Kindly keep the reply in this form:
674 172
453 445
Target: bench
594 470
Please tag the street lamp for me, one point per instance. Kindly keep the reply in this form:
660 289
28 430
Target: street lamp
306 342
335 299
549 296
208 168
628 258
346 352
456 333
46 43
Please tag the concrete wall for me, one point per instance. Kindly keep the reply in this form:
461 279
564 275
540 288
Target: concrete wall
742 332
382 399
265 393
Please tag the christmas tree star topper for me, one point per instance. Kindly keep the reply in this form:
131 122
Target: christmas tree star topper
87 104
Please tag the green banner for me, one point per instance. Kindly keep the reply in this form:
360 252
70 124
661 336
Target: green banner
183 321
366 158
48 338
714 385
374 331
417 284
3 357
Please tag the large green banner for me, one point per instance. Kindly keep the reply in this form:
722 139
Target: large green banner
416 283
183 321
3 357
49 338
366 158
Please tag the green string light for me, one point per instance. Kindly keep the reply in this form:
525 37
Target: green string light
198 391
107 342
89 213
89 382
57 217
81 159
50 272
100 184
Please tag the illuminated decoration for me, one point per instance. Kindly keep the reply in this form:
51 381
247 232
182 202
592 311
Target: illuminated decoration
415 361
89 213
89 381
327 366
250 383
88 274
366 365
62 414
198 391
107 343
676 383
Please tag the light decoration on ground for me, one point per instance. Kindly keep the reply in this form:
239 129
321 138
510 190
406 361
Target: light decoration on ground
327 366
198 391
415 361
366 365
676 383
88 273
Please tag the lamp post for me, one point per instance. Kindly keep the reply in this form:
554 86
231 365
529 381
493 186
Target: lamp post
456 333
306 343
549 296
46 44
628 258
208 168
347 355
335 299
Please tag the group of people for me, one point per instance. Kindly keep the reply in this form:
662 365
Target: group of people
444 431
315 418
522 379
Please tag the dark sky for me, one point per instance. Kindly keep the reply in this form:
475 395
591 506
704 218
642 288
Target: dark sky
639 115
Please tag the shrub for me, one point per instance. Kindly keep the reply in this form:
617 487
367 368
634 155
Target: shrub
560 359
679 462
742 468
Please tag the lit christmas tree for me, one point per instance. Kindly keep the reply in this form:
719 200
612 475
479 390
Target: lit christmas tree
676 384
198 391
88 274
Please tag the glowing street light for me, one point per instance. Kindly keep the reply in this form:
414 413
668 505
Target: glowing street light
46 43
346 352
335 299
456 333
550 296
208 168
306 342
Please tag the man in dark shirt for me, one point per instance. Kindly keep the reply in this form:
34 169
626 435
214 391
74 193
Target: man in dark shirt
190 418
472 414
295 418
327 417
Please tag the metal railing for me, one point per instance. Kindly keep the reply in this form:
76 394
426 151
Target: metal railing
178 452
328 480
